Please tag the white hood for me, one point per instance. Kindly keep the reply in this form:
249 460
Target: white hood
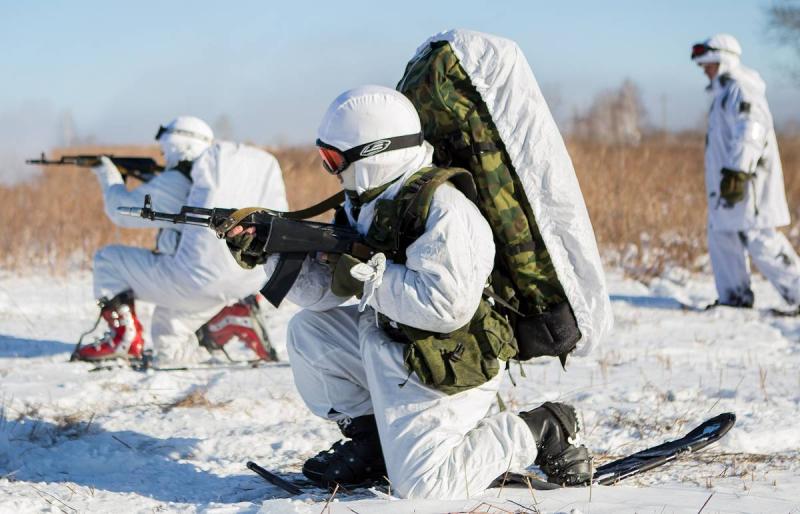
370 113
184 139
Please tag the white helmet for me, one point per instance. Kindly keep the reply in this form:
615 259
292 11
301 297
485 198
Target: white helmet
184 139
718 48
371 135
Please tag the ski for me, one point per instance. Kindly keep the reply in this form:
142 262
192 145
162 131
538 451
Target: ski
610 473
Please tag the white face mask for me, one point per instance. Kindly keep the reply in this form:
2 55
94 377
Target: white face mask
177 148
348 178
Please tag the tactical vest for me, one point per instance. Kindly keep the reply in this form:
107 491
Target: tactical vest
450 362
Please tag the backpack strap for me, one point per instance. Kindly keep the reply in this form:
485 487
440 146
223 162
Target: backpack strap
416 197
401 220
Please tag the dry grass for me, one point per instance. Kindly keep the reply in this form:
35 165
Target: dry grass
56 220
194 399
647 204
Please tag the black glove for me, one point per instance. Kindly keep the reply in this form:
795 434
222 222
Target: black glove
343 283
733 186
243 247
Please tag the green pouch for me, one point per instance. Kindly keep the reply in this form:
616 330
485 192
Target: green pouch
463 359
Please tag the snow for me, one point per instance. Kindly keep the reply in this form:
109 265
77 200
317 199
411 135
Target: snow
73 440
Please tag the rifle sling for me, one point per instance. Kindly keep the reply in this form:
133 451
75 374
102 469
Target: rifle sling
315 210
309 212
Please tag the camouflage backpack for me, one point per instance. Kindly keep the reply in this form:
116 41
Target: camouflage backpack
457 122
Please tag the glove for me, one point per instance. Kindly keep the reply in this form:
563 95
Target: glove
343 283
244 251
733 186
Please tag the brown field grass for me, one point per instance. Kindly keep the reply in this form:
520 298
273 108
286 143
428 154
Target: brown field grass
647 204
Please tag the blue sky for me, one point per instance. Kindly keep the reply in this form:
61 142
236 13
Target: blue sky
120 69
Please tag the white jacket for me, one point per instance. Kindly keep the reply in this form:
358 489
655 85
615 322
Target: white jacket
741 138
168 192
227 175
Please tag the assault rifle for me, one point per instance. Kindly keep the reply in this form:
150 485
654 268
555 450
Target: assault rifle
142 168
287 234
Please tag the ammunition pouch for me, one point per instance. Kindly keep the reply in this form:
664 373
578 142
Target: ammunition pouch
459 360
553 333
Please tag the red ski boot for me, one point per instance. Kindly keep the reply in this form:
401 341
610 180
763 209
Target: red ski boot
239 320
124 337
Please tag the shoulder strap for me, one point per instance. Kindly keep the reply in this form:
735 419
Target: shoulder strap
416 196
399 221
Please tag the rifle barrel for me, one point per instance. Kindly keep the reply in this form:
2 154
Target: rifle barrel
182 218
134 212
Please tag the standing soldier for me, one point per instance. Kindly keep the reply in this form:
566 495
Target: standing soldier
744 180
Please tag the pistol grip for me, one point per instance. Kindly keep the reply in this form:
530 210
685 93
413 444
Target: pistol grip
283 278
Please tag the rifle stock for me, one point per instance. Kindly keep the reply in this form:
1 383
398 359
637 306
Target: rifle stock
276 233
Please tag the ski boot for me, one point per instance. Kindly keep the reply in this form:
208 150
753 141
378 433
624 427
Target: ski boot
556 429
123 340
238 320
351 462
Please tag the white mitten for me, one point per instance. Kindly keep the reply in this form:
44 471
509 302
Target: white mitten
107 173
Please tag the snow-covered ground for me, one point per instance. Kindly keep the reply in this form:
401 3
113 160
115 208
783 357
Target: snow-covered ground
72 440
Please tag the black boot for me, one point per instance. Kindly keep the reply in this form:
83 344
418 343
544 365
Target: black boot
554 426
350 462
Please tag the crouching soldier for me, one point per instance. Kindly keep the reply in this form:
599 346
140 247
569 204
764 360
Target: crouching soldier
190 277
411 371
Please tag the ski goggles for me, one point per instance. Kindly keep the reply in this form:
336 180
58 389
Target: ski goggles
336 161
701 49
188 133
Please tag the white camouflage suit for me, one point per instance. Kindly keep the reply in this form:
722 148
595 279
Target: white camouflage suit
434 445
192 275
741 138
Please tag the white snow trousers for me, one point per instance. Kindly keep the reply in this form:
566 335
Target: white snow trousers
175 319
769 250
435 445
